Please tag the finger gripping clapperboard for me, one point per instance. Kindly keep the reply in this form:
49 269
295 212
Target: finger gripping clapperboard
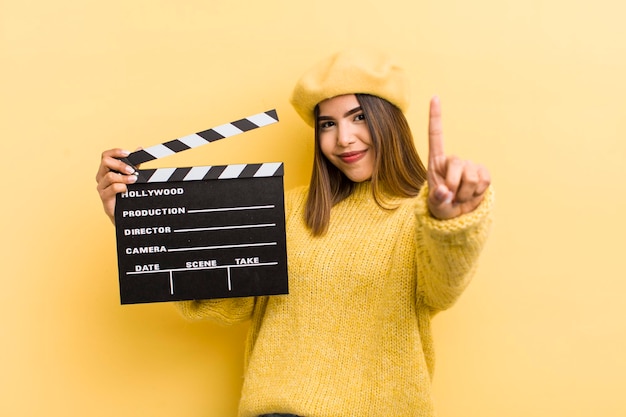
202 232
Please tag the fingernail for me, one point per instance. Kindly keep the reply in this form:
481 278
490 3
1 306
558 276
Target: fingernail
125 152
129 169
449 198
132 179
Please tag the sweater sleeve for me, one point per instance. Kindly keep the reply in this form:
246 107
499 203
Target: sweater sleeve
448 250
224 311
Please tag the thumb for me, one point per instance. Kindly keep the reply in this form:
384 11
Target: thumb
442 195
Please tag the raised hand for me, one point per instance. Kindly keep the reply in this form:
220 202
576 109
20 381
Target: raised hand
456 186
112 177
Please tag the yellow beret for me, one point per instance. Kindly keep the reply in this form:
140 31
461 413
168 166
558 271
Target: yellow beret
353 71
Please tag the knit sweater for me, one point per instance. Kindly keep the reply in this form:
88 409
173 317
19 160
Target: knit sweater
353 336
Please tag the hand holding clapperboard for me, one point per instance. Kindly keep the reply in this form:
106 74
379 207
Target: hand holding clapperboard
202 232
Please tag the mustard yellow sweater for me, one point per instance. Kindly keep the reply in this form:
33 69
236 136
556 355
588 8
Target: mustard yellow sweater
353 336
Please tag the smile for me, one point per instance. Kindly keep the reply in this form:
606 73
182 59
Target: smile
351 157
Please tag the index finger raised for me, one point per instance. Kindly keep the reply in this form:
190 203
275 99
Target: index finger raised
435 129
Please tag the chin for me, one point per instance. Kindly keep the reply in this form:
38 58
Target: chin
359 178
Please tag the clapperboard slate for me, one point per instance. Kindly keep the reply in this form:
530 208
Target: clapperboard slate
202 232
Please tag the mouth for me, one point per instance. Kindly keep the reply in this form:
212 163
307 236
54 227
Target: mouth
351 157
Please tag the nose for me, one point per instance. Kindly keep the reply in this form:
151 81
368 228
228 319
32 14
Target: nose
345 135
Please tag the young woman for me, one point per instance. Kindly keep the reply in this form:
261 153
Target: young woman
377 245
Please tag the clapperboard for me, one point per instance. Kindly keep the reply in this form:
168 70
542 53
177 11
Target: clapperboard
202 232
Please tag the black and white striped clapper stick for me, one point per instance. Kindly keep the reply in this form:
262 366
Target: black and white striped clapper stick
202 138
217 172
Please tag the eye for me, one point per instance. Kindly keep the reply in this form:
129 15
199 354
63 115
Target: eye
359 117
326 125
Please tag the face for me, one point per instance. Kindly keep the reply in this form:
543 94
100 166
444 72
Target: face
345 137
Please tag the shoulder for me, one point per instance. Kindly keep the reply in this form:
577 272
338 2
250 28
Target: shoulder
301 190
296 195
295 198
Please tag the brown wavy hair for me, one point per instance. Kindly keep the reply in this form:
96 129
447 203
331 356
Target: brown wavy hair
398 170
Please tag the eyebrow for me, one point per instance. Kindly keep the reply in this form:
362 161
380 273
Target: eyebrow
348 113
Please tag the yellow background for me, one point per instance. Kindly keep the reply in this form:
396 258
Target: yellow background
533 89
